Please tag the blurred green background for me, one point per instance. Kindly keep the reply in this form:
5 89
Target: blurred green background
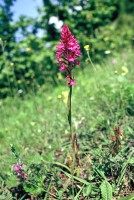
28 62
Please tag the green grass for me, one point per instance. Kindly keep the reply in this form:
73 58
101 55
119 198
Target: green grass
37 126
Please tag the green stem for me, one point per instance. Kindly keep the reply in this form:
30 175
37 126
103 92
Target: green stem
70 124
91 61
70 109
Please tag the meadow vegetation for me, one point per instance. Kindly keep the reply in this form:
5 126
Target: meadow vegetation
35 127
39 157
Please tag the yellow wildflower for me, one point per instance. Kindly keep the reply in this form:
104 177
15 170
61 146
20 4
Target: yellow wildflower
106 38
19 81
86 47
11 64
32 123
116 72
125 69
123 74
28 49
59 96
65 95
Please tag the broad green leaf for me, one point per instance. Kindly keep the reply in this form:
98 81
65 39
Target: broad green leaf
106 190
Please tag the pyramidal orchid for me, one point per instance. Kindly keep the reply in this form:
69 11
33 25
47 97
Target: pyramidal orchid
67 53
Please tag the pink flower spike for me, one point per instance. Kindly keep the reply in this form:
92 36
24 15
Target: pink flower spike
67 53
71 82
